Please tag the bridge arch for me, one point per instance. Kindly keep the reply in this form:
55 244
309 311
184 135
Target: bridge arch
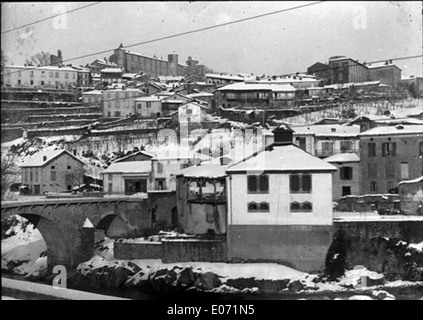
113 226
58 249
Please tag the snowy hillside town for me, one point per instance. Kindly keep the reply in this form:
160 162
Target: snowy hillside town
218 162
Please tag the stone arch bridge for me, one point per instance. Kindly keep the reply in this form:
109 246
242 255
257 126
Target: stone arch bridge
62 223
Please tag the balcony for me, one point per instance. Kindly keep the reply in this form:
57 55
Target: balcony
322 153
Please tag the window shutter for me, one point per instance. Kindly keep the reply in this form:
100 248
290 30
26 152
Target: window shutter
264 183
394 148
306 183
252 183
295 183
383 149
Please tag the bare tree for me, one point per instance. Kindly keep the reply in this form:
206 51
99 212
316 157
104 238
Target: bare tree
40 59
8 172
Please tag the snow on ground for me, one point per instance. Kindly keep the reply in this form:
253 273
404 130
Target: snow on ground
25 246
416 246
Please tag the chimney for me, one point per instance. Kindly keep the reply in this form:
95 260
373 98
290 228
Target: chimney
390 61
44 158
282 135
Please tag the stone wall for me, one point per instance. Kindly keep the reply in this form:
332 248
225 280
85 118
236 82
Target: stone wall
133 251
302 247
382 203
381 246
173 250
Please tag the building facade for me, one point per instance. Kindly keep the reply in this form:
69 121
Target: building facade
154 66
48 77
201 198
327 140
192 112
120 103
255 95
52 171
387 73
346 70
280 206
346 179
94 97
389 155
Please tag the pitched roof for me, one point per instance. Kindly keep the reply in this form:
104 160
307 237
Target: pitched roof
343 157
393 130
282 159
334 130
140 167
37 160
141 152
204 171
241 86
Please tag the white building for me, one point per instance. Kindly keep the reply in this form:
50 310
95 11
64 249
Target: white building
120 103
149 107
280 206
93 97
39 77
127 177
192 112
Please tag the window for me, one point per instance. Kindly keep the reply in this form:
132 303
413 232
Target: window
327 147
295 183
306 183
159 167
346 173
373 186
389 168
389 149
346 146
258 184
66 75
189 111
53 167
421 148
307 206
346 191
160 184
36 174
31 82
50 74
110 177
389 185
57 75
210 214
252 207
53 175
43 74
295 206
69 167
252 184
300 183
19 73
30 176
258 207
19 81
405 170
371 147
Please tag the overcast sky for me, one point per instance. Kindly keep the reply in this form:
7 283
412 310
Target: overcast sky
283 43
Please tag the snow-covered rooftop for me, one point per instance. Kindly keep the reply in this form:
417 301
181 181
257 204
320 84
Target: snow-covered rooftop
111 70
241 86
200 94
37 160
93 92
224 77
352 84
393 130
280 159
140 167
335 130
204 171
343 157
